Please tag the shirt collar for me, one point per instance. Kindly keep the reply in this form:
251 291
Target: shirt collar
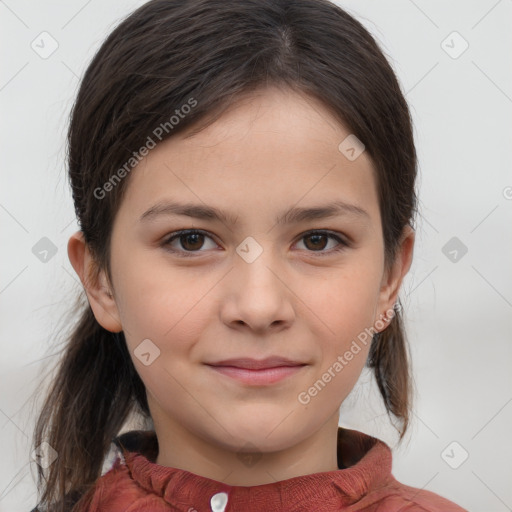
366 461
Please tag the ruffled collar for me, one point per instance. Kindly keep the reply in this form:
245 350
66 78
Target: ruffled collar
366 461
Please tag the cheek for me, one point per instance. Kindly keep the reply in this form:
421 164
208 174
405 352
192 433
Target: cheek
342 345
346 301
167 307
172 318
345 305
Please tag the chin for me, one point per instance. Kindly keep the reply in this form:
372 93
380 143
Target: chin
268 434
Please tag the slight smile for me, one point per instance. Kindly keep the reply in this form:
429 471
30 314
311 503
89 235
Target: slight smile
256 372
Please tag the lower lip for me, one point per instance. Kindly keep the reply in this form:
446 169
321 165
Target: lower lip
258 377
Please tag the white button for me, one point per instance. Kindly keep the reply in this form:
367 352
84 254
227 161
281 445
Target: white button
219 501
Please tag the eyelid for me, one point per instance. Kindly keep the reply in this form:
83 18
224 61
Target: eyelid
343 241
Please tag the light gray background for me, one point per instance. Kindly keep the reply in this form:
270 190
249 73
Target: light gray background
458 312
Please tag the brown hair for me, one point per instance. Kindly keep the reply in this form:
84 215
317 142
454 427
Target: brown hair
164 54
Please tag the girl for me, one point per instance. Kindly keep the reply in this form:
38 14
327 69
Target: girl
243 175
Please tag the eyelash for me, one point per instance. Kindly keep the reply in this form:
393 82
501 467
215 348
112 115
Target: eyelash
343 244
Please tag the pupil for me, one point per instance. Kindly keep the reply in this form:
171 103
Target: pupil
317 237
194 238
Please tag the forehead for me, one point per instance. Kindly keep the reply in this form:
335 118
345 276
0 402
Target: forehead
270 149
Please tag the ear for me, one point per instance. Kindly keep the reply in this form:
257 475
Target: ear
393 277
95 283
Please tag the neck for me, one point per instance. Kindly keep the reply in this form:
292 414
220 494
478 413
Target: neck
180 448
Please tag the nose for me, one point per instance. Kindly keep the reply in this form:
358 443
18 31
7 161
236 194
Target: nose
257 294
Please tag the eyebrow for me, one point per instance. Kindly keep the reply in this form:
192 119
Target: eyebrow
292 216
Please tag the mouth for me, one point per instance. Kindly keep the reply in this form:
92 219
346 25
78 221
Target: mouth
258 372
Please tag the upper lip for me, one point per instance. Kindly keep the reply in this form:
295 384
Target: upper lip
257 364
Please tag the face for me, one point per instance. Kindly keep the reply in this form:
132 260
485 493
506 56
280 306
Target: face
267 278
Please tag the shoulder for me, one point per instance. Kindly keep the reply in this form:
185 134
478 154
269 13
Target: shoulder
369 476
403 498
113 458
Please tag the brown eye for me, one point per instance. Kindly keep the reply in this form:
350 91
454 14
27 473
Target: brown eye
317 241
187 241
191 241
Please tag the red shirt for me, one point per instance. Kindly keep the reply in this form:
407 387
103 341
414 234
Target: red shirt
135 482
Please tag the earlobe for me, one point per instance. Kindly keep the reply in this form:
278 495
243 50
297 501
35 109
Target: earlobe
394 277
95 283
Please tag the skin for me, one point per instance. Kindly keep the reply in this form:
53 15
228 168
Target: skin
297 299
